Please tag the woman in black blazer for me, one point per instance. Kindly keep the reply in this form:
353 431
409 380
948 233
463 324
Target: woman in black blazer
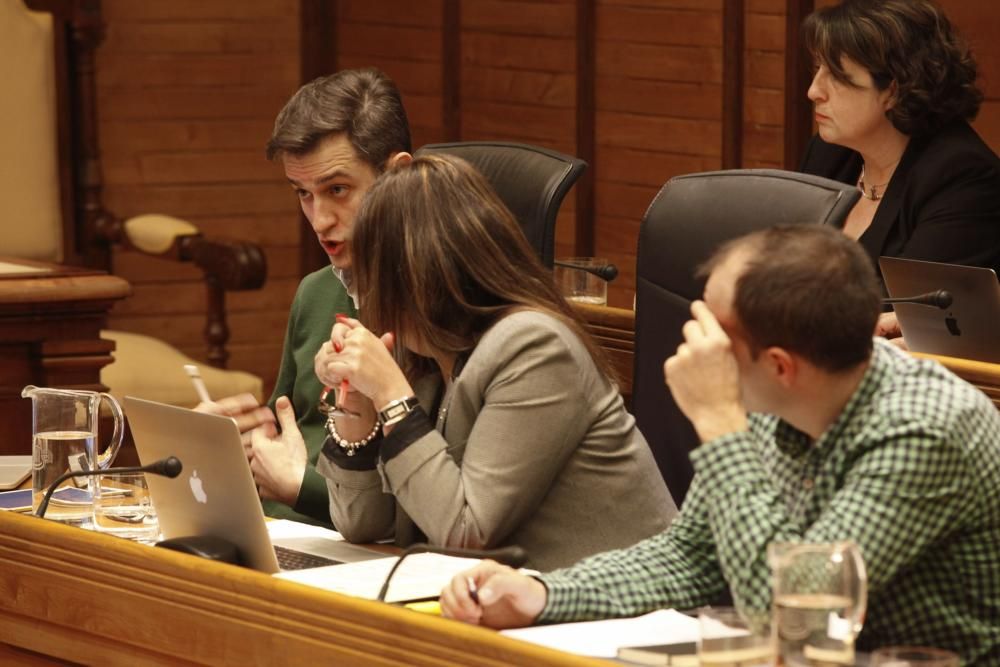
893 92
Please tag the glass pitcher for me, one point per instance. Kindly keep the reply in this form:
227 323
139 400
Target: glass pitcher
64 437
820 596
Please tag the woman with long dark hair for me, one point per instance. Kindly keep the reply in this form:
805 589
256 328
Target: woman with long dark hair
486 414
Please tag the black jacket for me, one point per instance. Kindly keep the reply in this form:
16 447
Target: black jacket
942 204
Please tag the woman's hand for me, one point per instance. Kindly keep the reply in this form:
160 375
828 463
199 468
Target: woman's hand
279 462
363 359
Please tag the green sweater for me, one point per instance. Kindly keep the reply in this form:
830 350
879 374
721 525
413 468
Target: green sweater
319 298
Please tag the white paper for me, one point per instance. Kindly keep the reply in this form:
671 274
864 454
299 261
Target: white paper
283 529
602 639
421 576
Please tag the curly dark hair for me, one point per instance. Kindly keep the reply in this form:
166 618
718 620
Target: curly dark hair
909 42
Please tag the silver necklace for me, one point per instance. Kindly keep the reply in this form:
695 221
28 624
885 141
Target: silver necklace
876 190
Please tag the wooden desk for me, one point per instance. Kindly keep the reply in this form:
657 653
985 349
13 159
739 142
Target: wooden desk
50 322
614 330
80 596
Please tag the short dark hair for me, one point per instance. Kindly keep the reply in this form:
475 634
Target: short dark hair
363 103
909 42
808 289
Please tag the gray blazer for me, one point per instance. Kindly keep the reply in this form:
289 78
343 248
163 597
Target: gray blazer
532 446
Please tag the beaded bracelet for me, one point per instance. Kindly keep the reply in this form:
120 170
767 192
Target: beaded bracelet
349 447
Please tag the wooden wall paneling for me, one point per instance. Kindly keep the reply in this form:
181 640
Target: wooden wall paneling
451 69
186 95
763 89
732 83
407 41
317 57
798 76
586 72
978 22
520 82
659 77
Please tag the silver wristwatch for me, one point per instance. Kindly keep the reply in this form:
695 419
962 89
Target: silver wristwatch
397 410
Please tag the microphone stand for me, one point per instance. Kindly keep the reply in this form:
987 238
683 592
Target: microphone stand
607 272
514 556
938 298
168 467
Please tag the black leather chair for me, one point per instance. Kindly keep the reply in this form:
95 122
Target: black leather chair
689 218
531 181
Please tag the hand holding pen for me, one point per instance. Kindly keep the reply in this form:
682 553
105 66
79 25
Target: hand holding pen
365 359
493 595
244 408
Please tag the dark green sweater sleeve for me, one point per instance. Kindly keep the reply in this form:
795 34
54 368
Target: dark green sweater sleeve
319 298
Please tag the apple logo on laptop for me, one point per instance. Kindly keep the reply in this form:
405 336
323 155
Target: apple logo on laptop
952 325
196 488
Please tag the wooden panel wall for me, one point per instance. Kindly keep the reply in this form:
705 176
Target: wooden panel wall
187 95
189 89
979 23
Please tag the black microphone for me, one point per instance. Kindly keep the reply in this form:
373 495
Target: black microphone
607 272
513 555
938 298
168 467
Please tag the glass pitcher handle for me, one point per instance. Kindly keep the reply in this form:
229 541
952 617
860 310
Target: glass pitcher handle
858 617
105 460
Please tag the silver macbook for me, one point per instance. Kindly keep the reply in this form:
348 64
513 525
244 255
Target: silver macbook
215 493
968 329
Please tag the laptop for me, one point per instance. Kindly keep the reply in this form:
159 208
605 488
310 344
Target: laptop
968 329
215 493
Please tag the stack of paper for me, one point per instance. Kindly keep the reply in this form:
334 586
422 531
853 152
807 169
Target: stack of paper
421 576
602 639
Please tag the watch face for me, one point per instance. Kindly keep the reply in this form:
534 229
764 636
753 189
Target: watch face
398 409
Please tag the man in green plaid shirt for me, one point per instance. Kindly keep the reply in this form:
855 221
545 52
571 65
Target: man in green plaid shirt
847 439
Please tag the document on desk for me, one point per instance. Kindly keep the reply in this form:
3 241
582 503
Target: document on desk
421 576
602 639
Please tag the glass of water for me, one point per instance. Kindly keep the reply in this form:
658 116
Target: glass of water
820 597
123 507
576 282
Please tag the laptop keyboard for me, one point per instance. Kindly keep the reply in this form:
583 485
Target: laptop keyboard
290 559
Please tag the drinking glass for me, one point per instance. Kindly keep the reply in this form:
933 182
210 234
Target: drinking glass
123 507
820 596
729 638
913 656
577 284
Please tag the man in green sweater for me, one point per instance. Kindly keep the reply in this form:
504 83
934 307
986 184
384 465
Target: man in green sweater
333 138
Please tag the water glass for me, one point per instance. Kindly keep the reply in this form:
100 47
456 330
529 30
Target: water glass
730 638
820 596
124 508
913 656
579 285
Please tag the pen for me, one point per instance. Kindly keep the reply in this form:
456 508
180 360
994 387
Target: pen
345 386
199 384
473 589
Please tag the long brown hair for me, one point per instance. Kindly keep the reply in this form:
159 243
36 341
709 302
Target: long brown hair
437 255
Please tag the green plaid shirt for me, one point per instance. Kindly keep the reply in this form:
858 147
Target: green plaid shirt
910 471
